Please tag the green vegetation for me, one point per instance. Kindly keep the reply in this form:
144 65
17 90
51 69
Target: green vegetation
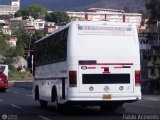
59 17
6 17
36 11
17 74
10 54
23 12
153 6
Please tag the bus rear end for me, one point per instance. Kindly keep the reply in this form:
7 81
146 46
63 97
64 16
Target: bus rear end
3 77
105 64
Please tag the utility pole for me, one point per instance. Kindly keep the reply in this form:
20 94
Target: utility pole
30 56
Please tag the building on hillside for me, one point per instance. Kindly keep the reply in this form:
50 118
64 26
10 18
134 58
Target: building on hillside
17 22
10 9
144 26
30 29
39 24
103 10
5 27
13 40
154 65
49 28
6 30
154 26
150 61
100 14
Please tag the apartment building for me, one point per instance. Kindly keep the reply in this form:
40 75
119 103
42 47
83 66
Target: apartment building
10 9
150 61
113 15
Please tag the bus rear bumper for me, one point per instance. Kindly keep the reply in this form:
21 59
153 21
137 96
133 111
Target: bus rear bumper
98 103
106 97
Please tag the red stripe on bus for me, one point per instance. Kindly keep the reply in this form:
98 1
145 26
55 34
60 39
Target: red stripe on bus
118 67
106 72
91 67
114 64
105 63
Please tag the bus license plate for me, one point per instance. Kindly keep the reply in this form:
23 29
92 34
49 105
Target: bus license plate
107 96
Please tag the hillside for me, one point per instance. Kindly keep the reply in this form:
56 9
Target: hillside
131 5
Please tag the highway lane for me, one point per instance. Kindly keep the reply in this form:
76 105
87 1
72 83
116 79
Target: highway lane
19 103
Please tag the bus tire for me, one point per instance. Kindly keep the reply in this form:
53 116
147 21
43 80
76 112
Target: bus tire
3 90
58 107
54 94
36 93
43 103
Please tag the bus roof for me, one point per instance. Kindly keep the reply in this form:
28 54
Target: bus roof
86 23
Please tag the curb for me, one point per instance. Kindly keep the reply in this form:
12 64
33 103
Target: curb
22 84
19 81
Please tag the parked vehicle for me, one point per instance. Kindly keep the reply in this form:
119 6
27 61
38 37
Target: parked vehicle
3 77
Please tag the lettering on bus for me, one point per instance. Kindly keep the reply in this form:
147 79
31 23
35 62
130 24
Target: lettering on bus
105 30
102 28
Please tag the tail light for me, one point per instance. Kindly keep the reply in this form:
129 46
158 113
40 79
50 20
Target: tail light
73 78
137 77
3 78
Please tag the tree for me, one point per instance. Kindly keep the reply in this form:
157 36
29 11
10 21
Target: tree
8 52
6 17
22 13
26 40
37 11
38 35
59 17
18 13
23 37
4 45
153 6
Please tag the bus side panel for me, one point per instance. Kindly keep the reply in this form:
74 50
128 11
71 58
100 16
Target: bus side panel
48 76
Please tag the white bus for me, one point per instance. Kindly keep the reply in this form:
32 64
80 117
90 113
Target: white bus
88 63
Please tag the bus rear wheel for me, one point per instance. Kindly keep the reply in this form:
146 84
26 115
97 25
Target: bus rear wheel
58 107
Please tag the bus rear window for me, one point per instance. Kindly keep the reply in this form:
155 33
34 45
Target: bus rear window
2 68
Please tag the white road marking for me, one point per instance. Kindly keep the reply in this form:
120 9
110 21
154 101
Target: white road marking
13 105
152 99
1 100
7 90
15 92
43 117
143 105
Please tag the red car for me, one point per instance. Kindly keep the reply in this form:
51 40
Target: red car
3 77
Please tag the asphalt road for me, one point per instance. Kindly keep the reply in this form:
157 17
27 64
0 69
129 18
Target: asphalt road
18 104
